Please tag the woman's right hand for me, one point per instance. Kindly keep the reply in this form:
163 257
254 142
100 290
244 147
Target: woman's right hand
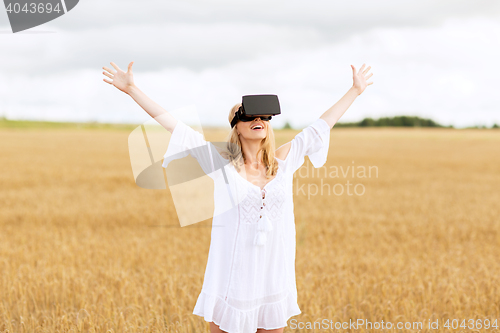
120 79
125 82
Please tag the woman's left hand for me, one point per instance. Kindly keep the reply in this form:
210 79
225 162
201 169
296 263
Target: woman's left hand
359 78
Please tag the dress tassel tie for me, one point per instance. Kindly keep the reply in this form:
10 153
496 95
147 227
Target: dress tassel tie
264 226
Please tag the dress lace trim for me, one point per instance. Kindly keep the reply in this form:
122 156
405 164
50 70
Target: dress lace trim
233 320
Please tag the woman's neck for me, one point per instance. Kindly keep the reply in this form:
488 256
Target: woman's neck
253 157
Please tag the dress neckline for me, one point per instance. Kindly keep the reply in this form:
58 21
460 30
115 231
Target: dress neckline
252 184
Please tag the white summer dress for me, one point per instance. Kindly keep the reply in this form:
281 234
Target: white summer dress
249 281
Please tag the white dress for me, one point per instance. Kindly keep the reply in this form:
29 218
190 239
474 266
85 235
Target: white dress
249 281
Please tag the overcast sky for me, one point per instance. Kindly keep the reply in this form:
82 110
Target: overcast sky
434 59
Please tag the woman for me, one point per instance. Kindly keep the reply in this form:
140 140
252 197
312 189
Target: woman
249 284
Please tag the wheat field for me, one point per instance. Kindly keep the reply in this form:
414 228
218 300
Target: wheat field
84 249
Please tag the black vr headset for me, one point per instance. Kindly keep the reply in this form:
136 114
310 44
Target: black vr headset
253 106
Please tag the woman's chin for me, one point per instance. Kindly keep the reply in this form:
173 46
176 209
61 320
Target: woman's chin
258 135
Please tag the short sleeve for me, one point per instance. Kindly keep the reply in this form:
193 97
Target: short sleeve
186 141
312 141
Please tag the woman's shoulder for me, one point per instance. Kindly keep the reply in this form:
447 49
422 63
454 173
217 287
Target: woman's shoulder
282 152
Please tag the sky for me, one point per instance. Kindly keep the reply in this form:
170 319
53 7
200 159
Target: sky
432 59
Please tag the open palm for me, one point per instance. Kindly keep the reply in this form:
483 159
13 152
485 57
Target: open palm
120 79
360 78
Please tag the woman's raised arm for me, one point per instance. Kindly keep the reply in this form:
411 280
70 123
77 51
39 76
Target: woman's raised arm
124 81
333 114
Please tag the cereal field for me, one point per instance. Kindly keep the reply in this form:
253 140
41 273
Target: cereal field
414 238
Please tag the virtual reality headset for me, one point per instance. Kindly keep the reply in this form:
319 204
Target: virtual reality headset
253 106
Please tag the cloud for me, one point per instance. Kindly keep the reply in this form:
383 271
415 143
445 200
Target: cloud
422 68
204 34
196 46
347 15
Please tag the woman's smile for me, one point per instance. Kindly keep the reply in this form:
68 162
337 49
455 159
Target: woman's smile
257 127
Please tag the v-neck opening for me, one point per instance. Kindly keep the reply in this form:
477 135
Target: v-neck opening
252 184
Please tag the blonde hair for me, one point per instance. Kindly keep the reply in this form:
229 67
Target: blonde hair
236 155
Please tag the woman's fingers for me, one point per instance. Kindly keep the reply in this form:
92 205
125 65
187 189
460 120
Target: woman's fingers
107 81
368 76
109 70
361 68
115 66
361 71
108 75
130 66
